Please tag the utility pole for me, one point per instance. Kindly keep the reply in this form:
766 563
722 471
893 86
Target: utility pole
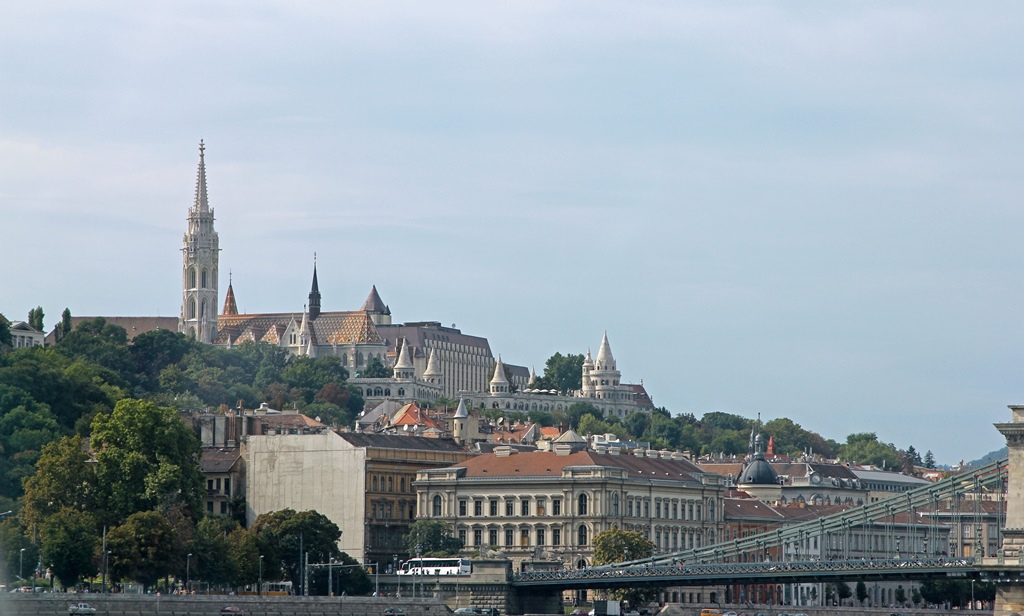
103 582
305 576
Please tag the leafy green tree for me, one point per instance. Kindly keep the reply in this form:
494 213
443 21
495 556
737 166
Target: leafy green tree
562 373
64 480
154 351
35 318
590 424
862 592
349 578
6 341
901 595
843 591
281 533
435 538
243 557
142 549
308 375
65 324
577 410
146 458
100 342
210 549
637 424
614 546
915 596
664 429
68 543
929 459
13 539
375 369
864 448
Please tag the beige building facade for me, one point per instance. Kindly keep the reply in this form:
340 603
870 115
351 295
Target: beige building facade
361 482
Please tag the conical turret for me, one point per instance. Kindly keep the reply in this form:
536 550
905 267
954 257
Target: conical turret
404 368
230 307
314 295
605 361
499 384
433 373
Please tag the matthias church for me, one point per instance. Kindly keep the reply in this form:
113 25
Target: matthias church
428 360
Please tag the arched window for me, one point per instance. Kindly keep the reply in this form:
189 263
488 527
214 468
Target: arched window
202 309
581 535
401 483
437 505
581 507
204 279
359 358
192 278
401 391
374 483
344 359
711 511
192 308
615 504
391 484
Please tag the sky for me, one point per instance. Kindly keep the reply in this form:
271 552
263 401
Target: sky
799 209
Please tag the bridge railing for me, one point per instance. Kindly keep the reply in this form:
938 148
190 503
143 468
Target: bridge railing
719 569
988 476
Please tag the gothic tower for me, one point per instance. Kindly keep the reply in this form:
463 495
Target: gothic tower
199 255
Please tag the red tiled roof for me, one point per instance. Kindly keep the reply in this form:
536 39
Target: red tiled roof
550 464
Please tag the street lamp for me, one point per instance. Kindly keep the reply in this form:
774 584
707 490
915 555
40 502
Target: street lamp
188 571
21 566
104 582
419 567
259 589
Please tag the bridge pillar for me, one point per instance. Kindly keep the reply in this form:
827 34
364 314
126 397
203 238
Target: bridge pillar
1010 595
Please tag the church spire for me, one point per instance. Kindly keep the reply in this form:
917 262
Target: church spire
201 202
230 307
314 295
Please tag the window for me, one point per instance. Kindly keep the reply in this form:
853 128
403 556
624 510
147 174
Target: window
698 513
227 486
541 507
437 505
402 483
204 279
689 511
711 511
391 484
373 511
556 506
629 508
209 506
524 538
647 509
493 536
524 506
615 504
657 510
192 308
508 537
510 508
462 535
540 536
494 508
192 278
462 507
478 508
675 511
223 507
657 539
581 507
581 535
556 536
478 537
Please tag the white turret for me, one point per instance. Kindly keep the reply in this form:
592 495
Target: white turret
605 361
499 384
533 377
433 373
459 421
403 367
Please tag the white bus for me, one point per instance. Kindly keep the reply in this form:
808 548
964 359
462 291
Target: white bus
436 566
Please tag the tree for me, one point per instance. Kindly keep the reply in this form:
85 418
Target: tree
146 458
615 545
210 551
862 592
281 534
6 341
562 372
901 595
100 342
864 448
65 324
434 538
68 543
142 549
35 318
375 369
577 410
915 596
349 578
929 459
13 539
64 480
843 591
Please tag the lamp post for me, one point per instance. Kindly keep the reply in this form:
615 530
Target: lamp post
106 555
188 571
394 559
419 568
21 565
259 589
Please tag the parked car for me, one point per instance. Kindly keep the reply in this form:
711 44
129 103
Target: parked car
730 613
81 608
232 609
580 611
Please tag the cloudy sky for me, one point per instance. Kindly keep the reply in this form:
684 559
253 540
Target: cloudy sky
805 210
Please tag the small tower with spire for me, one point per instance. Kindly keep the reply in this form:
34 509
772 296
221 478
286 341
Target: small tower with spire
200 254
314 295
404 368
499 384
